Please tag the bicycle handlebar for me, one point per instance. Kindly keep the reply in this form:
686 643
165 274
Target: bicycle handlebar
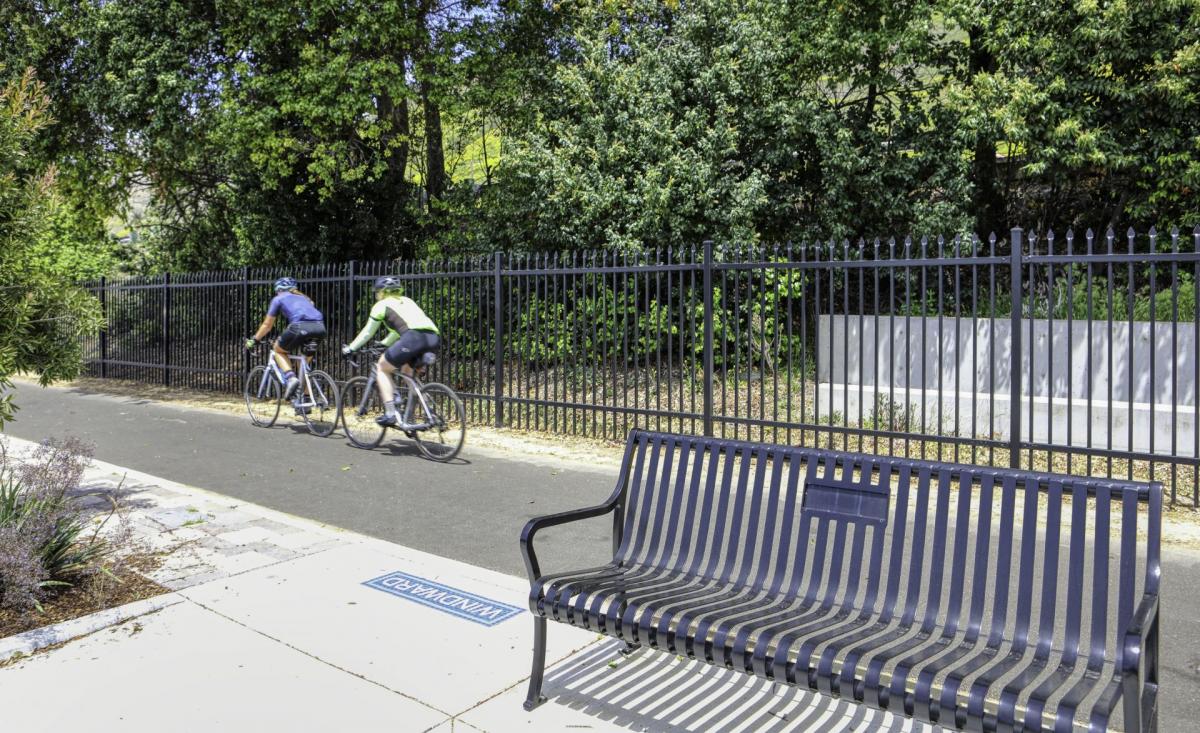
371 351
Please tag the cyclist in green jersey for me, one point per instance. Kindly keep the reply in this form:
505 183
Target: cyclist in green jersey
411 335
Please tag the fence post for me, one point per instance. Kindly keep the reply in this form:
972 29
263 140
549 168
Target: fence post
1014 377
498 311
245 315
103 327
708 338
351 291
166 328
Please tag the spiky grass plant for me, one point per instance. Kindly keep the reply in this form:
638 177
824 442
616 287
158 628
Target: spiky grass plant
46 541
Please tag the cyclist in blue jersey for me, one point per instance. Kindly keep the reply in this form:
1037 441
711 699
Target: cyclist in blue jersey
304 323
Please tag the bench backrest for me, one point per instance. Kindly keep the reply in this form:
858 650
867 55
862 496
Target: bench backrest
1033 559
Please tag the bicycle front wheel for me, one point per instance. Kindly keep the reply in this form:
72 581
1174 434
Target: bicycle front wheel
447 421
319 405
262 395
360 406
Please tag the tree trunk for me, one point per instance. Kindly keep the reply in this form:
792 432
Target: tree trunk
397 139
987 200
435 160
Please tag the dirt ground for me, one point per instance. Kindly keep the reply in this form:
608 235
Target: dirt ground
74 601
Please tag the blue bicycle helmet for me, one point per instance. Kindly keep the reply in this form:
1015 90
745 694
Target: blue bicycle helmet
285 283
388 282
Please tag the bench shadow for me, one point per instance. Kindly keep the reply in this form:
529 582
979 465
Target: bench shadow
656 691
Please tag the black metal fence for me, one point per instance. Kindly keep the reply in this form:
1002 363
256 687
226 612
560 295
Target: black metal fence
1074 353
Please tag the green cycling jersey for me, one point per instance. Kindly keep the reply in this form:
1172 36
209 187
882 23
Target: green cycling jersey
398 314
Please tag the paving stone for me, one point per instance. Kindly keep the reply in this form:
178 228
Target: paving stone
230 517
192 580
280 554
246 536
275 527
185 534
174 517
164 497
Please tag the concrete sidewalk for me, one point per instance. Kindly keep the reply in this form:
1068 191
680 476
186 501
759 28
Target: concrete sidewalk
273 626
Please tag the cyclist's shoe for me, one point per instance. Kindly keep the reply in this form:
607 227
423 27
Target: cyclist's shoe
289 389
387 421
303 409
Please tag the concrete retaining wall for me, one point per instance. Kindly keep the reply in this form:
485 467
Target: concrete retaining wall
915 351
972 360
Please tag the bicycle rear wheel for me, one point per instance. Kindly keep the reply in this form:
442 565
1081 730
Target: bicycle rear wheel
447 421
360 406
263 395
321 404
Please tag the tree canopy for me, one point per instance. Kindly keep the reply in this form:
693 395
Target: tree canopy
231 132
42 314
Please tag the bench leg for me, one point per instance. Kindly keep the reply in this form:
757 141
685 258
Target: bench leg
629 648
535 697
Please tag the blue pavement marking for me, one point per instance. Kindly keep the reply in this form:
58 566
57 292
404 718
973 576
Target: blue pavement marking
453 601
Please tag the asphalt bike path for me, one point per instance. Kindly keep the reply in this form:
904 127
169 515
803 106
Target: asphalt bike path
470 510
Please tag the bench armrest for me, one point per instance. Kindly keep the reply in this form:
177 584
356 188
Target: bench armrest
1140 627
1140 649
551 520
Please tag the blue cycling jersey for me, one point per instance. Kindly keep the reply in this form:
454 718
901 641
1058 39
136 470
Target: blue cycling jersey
296 308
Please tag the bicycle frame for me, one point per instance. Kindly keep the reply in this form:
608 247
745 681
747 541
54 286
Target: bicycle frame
414 393
303 371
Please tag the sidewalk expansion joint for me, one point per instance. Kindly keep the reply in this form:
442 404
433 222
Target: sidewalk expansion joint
314 657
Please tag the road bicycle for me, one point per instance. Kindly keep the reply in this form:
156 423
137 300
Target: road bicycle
431 414
317 400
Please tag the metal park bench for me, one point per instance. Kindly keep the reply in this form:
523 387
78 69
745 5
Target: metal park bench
965 596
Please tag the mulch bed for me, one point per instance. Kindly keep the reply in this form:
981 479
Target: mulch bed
72 602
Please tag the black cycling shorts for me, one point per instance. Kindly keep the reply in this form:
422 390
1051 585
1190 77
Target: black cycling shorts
411 346
297 334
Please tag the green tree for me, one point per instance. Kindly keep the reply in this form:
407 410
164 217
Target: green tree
1092 105
42 317
668 123
46 35
323 130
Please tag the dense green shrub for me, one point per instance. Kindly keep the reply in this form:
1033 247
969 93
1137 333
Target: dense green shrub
43 316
